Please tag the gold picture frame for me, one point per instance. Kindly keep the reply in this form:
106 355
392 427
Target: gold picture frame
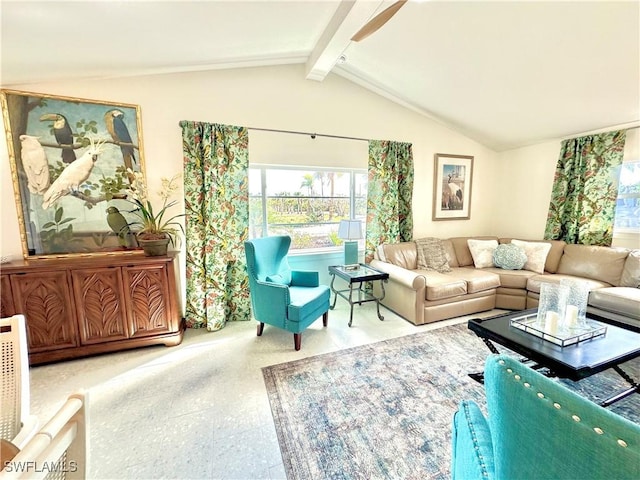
452 181
93 143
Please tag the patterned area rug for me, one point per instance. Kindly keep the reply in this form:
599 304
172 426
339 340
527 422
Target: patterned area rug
384 410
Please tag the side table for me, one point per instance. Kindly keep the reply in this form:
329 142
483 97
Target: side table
357 275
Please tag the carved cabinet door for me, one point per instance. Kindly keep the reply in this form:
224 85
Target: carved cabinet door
99 304
147 293
45 300
6 297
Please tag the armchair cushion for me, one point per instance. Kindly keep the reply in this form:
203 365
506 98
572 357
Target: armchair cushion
306 301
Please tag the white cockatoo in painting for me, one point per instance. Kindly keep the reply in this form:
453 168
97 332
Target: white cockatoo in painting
73 175
35 163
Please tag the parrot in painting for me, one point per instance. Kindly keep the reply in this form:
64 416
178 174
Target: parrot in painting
120 134
73 175
64 135
119 225
35 163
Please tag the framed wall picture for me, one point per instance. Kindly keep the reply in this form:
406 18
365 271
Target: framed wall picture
69 159
453 175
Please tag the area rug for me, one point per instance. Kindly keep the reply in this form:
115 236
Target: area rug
384 410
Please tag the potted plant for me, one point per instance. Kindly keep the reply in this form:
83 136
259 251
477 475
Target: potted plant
156 231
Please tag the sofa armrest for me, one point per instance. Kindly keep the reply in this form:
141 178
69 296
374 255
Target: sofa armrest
472 454
407 278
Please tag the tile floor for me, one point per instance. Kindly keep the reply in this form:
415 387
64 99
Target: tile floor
198 410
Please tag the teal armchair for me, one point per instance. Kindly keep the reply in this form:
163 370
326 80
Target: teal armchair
538 429
285 298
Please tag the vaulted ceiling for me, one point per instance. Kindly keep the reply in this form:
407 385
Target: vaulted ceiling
505 73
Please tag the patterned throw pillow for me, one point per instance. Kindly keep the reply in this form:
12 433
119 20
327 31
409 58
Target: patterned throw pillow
509 257
431 255
482 252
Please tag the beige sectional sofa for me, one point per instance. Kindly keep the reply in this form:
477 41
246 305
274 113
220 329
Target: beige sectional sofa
423 295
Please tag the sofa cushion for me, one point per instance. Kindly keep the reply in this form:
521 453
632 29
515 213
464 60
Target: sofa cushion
536 253
512 278
631 272
477 280
482 252
621 300
461 247
509 256
442 285
431 255
403 254
598 263
533 283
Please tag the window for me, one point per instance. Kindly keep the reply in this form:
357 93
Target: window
305 203
628 203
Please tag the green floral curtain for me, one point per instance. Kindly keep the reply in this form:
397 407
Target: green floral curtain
583 200
216 162
389 194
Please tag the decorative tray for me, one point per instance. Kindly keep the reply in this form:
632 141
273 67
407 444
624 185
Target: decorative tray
562 336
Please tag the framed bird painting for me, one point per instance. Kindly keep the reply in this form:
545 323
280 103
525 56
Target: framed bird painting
452 179
72 162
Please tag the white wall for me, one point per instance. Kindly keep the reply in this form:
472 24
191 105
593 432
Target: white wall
511 190
523 181
279 98
524 178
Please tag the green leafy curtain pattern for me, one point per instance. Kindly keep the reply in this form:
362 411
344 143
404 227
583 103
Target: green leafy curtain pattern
389 194
216 162
585 187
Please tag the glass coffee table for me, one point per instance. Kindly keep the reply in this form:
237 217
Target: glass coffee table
357 274
575 361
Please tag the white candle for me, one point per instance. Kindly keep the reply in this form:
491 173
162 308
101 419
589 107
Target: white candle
571 316
551 322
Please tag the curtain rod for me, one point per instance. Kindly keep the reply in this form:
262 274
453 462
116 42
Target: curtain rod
312 135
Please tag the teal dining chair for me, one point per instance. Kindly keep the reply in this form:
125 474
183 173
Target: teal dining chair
285 298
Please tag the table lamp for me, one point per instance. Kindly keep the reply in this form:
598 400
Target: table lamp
350 230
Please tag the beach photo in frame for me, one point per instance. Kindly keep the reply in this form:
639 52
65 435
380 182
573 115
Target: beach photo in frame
70 160
452 176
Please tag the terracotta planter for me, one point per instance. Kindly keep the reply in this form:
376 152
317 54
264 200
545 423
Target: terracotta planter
154 247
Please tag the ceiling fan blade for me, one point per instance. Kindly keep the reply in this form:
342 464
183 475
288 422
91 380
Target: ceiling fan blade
378 21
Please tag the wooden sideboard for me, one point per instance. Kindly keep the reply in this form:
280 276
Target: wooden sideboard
79 306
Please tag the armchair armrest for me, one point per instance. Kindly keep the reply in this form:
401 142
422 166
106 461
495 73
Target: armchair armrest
305 278
273 301
472 454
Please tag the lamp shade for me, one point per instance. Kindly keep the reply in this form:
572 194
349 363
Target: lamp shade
350 230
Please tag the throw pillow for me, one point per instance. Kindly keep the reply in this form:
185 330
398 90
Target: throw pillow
536 254
482 252
509 257
431 255
631 272
282 279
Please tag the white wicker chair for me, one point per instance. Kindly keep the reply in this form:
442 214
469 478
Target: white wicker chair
16 424
59 450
